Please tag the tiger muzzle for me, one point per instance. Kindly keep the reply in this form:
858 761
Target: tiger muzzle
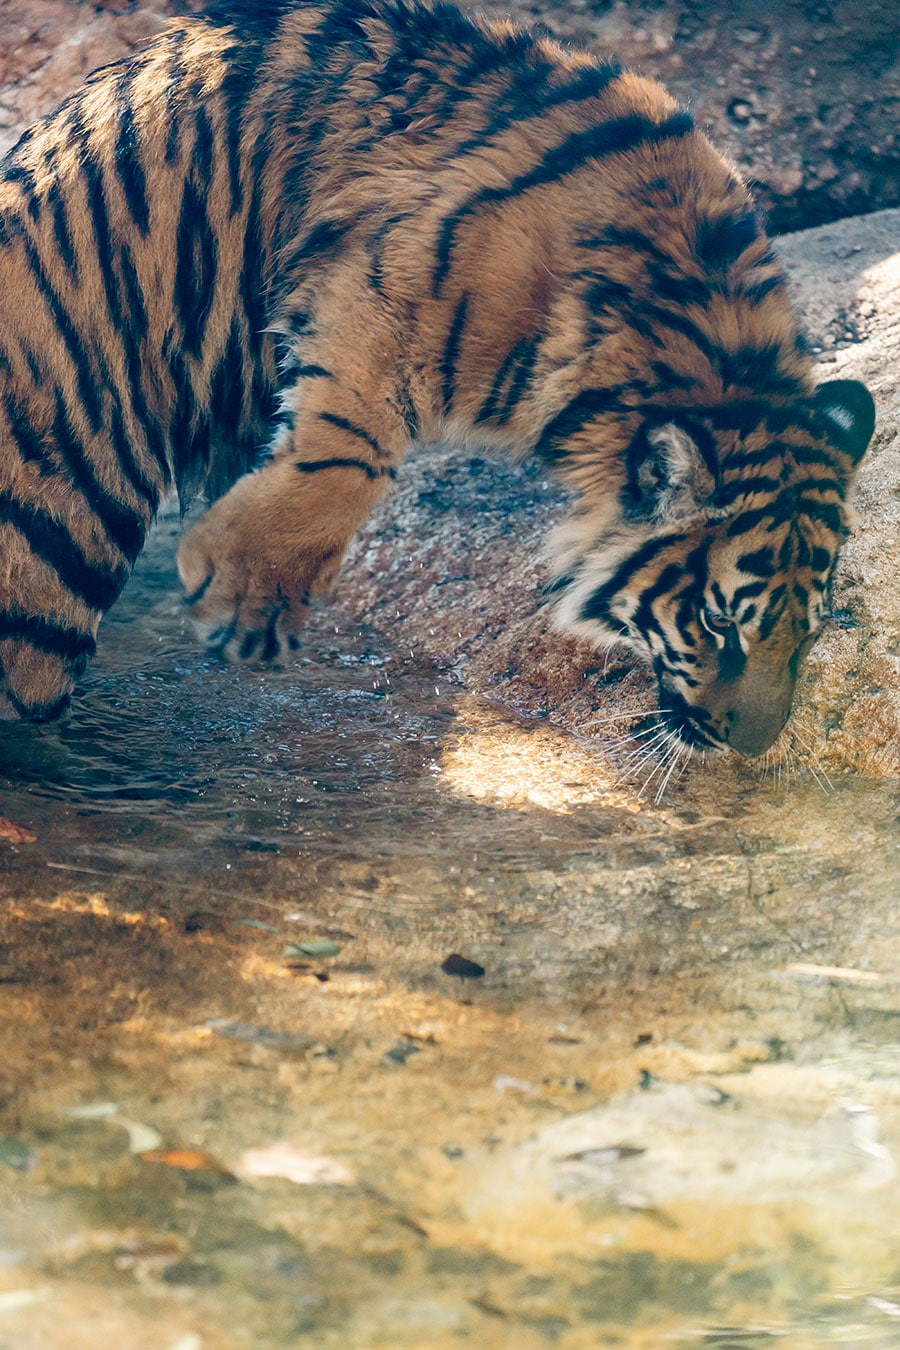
757 720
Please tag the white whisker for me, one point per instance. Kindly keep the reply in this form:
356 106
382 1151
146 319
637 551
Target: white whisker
669 741
679 750
818 773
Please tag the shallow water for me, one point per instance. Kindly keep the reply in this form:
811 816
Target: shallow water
667 1111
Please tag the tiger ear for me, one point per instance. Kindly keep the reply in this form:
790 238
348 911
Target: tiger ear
668 478
847 412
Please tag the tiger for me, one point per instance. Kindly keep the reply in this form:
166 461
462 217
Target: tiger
284 243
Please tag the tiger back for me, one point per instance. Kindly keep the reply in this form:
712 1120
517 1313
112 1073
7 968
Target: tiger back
331 230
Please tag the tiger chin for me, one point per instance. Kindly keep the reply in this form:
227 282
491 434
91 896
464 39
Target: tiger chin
268 254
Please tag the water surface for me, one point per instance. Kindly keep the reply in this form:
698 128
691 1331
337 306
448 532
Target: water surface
667 1111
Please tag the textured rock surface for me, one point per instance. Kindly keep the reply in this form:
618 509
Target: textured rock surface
452 563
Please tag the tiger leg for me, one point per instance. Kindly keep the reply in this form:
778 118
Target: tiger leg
251 565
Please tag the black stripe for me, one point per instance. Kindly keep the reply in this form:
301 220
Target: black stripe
19 174
596 606
352 429
719 243
773 611
748 592
98 585
376 245
823 484
757 367
41 712
201 590
174 82
772 515
126 156
182 416
121 444
521 360
451 352
227 382
826 513
96 198
125 527
488 407
257 22
237 85
574 417
46 636
339 462
617 136
134 304
196 269
61 232
743 487
202 157
310 371
521 380
680 323
758 291
84 375
322 240
643 617
132 334
31 446
251 283
530 96
35 368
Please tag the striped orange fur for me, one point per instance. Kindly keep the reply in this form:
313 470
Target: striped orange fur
334 229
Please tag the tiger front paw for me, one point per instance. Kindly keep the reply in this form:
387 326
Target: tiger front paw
247 584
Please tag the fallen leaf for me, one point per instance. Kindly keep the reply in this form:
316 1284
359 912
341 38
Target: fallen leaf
92 1111
187 1159
832 972
504 1082
16 834
315 949
141 1138
294 1164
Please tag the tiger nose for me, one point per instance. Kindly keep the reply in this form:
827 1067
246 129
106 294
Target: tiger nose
758 722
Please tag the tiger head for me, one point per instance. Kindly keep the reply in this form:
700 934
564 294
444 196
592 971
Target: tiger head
713 556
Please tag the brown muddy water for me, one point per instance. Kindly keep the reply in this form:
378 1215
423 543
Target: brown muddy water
667 1112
